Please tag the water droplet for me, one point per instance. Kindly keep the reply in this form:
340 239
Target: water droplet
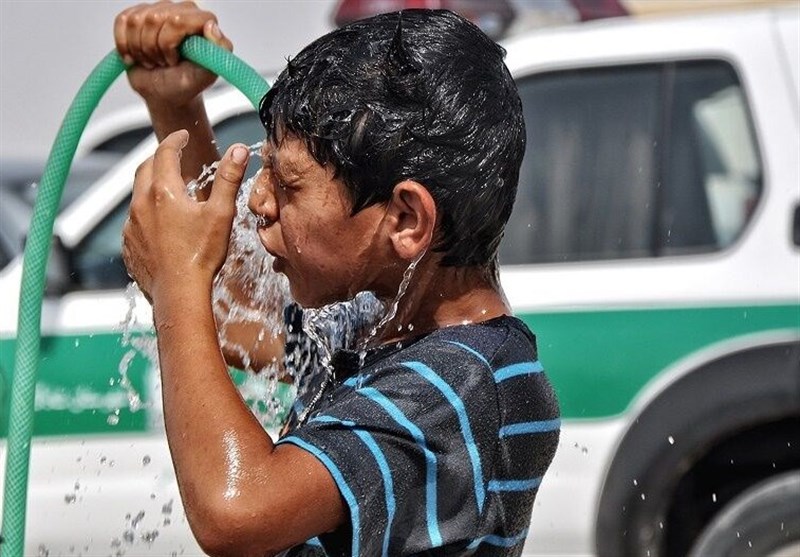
149 537
661 525
411 326
129 535
643 498
77 342
43 551
167 507
749 543
70 498
671 440
112 419
583 449
137 519
635 482
714 497
145 460
738 535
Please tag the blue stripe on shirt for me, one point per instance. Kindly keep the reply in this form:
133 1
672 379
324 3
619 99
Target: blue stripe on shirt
514 485
499 541
383 465
341 483
524 368
430 459
463 420
471 351
524 428
332 420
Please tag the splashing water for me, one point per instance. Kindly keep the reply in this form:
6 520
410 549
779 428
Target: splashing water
246 293
326 328
401 291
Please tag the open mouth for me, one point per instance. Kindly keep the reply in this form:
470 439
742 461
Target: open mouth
262 222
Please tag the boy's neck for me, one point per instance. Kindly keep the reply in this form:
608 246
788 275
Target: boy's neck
439 297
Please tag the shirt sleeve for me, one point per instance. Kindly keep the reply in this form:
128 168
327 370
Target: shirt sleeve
410 448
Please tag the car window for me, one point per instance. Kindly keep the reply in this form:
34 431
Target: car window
633 161
15 217
124 142
97 260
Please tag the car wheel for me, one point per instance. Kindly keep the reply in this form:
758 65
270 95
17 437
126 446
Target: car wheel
763 521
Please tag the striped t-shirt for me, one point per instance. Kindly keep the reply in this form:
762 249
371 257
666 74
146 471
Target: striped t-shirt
438 445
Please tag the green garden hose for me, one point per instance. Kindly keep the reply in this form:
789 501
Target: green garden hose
37 250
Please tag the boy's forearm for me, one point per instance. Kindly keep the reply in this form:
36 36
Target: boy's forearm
201 149
217 446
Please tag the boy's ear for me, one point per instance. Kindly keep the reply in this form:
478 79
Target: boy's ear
412 221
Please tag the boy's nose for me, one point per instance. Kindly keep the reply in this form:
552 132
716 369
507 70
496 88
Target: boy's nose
263 203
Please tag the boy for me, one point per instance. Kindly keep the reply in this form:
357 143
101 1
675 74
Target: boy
393 148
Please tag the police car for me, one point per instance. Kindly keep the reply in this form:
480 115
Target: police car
654 249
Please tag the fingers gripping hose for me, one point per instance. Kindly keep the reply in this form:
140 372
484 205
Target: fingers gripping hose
37 250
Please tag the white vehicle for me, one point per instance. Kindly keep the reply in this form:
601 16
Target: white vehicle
654 249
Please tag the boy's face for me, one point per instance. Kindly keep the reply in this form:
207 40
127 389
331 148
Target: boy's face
304 222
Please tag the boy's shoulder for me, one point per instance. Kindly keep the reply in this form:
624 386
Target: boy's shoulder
467 361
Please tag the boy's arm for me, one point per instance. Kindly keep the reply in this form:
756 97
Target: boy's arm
147 37
242 494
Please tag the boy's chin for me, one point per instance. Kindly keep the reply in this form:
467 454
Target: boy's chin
314 300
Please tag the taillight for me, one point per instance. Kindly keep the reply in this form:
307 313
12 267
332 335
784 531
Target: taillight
492 16
598 9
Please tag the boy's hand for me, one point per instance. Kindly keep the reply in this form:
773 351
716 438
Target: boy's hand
172 244
148 35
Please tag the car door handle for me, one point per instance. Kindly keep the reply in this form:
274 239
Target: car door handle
796 226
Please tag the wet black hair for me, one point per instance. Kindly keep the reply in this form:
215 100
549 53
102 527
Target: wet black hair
421 95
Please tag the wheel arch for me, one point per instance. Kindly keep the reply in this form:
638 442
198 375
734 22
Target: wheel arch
697 404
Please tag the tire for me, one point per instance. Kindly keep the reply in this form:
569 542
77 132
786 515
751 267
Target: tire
762 521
